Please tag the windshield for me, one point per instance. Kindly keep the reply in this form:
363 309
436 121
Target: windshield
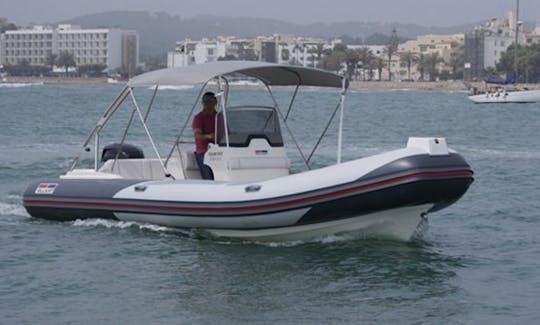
248 122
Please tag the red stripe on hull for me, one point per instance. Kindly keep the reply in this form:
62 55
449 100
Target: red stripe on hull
292 204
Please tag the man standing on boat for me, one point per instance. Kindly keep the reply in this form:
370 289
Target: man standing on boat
203 131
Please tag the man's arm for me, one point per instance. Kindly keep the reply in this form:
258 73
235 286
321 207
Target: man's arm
199 135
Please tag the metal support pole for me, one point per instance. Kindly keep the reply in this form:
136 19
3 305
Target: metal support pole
287 127
222 96
516 42
96 153
141 117
340 132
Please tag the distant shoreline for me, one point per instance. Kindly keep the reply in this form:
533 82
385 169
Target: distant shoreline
450 85
56 80
418 85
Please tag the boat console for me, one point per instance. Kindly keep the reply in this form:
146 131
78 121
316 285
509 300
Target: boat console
249 147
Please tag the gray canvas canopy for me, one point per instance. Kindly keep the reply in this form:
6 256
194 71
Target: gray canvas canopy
269 73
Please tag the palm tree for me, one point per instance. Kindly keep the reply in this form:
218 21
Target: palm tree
432 61
352 58
312 57
390 49
65 59
325 61
456 62
422 65
318 50
296 51
408 58
50 60
366 56
379 63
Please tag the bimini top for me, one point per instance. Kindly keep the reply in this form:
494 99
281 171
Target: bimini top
269 73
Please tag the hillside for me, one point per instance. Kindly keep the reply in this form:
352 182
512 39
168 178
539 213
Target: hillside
159 31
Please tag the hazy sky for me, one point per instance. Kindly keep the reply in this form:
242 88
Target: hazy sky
422 12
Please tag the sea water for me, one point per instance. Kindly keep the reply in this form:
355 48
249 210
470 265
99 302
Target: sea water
476 262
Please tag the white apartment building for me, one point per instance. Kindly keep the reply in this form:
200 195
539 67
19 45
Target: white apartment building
190 52
111 47
485 44
281 49
499 33
304 51
1 49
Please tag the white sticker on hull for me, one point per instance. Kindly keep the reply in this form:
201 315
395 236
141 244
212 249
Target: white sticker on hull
46 188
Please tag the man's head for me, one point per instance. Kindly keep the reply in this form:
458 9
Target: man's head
209 100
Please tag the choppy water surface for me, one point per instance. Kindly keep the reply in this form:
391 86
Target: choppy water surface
477 262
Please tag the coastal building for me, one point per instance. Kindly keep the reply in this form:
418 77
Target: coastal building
1 49
189 52
282 49
443 46
485 44
113 48
308 52
304 51
533 37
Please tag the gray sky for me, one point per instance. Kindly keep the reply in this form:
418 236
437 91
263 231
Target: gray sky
422 12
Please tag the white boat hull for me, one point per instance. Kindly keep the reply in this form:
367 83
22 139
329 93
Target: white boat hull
382 196
521 96
396 224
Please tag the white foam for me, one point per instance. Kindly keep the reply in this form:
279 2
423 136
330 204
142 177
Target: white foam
19 84
118 224
421 229
281 244
13 210
322 240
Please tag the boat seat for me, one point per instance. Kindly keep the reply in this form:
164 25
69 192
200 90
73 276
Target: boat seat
183 166
142 168
190 167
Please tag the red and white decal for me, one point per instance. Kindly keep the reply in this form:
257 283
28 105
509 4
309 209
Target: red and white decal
46 188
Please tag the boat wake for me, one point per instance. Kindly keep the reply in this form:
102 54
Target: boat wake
12 206
119 224
7 209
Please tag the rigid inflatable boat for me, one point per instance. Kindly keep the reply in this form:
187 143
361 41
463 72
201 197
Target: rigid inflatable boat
253 194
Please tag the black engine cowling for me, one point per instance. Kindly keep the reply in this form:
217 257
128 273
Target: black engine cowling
124 151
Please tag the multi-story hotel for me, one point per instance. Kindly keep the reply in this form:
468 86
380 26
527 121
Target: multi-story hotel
114 48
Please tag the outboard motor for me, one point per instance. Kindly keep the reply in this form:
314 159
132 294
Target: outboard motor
124 151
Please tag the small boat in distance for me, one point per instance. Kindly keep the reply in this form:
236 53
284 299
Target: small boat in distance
252 194
506 91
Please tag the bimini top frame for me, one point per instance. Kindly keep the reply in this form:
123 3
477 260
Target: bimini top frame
269 74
